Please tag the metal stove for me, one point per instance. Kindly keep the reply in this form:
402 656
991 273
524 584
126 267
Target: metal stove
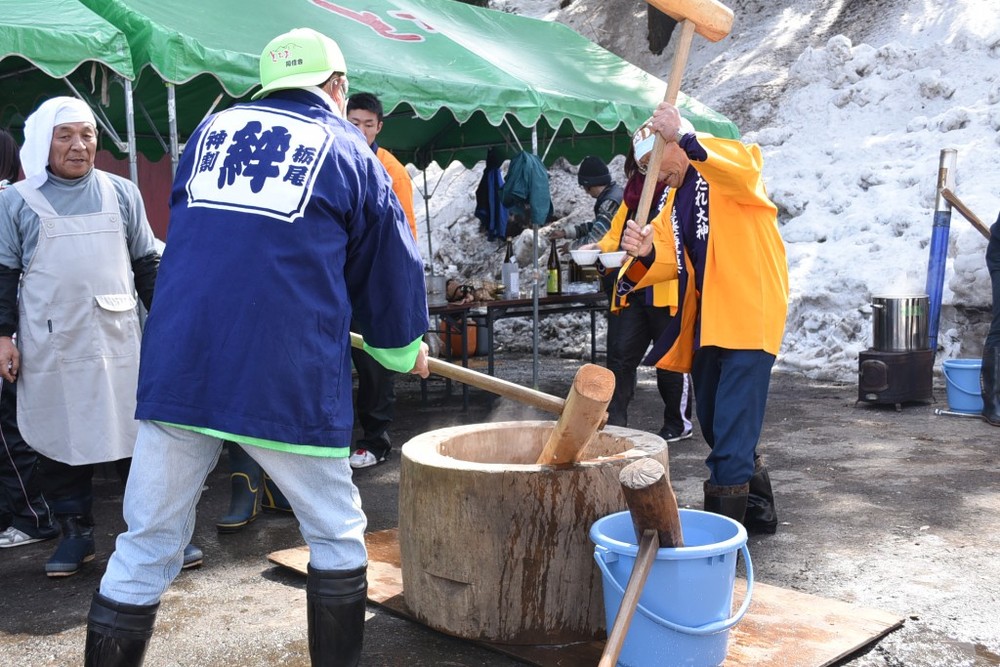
896 377
899 367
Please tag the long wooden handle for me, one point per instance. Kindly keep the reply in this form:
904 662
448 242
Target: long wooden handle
536 399
673 87
966 212
640 572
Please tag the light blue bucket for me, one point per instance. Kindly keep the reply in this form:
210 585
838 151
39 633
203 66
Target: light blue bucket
962 384
684 612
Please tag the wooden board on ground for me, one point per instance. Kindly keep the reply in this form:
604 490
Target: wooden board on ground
783 627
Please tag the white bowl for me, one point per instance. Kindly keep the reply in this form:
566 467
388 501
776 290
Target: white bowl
585 257
612 259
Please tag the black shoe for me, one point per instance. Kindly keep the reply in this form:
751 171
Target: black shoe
673 436
75 548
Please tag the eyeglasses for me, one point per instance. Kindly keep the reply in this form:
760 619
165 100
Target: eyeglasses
642 167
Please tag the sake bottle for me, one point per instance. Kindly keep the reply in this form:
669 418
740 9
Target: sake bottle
553 283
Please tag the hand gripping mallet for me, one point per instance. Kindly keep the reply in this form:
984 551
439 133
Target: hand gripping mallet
710 19
581 414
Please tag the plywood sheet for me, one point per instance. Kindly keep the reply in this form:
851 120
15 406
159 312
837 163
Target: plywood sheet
783 628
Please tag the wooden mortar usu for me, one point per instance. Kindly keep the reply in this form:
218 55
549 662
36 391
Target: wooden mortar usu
495 547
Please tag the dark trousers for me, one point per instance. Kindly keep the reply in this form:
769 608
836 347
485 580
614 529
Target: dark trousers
22 503
993 265
70 489
730 388
630 331
375 402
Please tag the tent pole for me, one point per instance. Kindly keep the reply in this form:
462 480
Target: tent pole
534 291
427 213
100 116
172 121
133 168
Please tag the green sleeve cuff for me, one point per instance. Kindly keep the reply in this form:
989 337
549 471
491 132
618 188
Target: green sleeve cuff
399 359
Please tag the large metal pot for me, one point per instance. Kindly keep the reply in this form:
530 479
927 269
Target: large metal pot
899 322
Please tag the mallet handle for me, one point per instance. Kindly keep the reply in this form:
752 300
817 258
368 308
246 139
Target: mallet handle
656 156
536 399
640 572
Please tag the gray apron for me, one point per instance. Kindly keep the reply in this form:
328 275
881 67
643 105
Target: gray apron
78 334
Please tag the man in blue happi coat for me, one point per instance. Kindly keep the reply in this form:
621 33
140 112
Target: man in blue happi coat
283 225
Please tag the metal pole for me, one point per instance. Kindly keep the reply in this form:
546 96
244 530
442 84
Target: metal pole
534 289
172 121
939 244
133 167
427 212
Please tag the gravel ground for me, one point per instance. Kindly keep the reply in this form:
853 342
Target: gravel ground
894 510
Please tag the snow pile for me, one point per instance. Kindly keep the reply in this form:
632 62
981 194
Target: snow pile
852 135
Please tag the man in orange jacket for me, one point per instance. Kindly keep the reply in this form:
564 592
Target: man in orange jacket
717 234
376 393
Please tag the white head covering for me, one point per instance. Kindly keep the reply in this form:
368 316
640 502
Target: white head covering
38 134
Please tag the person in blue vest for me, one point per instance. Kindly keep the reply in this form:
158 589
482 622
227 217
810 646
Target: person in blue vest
283 226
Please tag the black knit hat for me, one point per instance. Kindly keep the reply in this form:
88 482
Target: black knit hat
592 172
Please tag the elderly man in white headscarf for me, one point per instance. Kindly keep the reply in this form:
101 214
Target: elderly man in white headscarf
76 241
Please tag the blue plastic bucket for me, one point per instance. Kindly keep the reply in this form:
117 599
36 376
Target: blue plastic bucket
684 612
962 384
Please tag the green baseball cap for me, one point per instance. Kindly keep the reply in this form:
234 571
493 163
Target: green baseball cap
300 57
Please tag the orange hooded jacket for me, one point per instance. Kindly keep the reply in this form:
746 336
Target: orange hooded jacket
744 297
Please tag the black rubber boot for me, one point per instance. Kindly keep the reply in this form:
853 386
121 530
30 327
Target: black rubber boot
117 634
335 603
988 385
244 502
728 501
274 500
76 546
761 515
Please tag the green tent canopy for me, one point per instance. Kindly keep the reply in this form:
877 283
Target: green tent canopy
454 79
60 47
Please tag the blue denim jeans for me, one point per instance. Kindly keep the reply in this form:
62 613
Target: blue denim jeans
169 469
730 389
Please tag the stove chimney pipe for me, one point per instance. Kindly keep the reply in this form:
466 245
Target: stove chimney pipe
939 244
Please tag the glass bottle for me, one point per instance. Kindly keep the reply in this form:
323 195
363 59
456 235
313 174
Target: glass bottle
502 273
509 273
553 282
